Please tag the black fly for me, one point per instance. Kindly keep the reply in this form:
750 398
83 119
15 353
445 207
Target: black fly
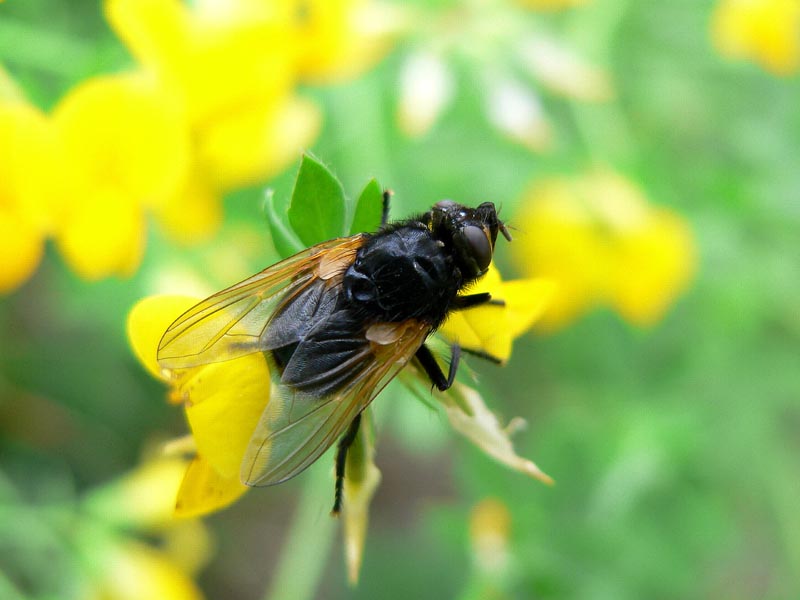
336 323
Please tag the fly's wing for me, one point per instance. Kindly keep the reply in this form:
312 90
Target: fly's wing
233 322
298 426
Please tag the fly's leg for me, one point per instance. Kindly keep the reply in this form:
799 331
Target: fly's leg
341 458
434 371
387 196
471 300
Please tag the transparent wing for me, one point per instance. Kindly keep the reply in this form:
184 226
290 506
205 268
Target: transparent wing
232 322
297 427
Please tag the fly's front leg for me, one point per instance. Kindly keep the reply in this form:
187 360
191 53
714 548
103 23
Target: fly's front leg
471 300
434 371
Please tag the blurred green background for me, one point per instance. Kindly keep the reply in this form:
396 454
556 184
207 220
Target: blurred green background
675 446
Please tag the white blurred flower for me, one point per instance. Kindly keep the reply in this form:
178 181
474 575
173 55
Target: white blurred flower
561 70
426 89
517 112
468 44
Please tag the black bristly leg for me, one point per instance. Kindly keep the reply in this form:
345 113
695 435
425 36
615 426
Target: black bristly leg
434 371
464 302
387 196
341 458
484 355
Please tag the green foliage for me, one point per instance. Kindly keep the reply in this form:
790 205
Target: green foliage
318 207
368 208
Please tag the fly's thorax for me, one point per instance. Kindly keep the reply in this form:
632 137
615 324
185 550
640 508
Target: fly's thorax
402 273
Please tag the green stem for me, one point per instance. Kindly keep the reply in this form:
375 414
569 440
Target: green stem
306 549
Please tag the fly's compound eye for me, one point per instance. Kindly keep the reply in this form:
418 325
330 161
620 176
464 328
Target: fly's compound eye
479 246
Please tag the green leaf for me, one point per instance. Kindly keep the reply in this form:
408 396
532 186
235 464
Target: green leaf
318 205
284 239
369 207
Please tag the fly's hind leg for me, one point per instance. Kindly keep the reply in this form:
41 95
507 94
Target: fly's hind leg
341 459
434 371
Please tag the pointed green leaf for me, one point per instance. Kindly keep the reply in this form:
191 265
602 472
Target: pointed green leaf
284 239
369 207
318 206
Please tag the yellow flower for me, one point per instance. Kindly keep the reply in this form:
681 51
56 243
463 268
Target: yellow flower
765 31
222 414
125 148
489 529
28 194
235 66
113 515
492 328
342 38
131 570
599 238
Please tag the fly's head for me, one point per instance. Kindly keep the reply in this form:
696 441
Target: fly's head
470 233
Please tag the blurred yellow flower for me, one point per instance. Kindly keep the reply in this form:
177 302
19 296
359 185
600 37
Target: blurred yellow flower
125 149
765 31
603 243
342 38
235 67
141 502
28 196
491 328
489 529
221 414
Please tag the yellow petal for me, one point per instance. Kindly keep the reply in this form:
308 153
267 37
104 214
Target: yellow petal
188 544
766 31
153 30
194 212
21 249
603 243
657 263
254 143
489 527
147 322
492 328
30 176
482 428
526 301
224 402
215 61
342 38
125 136
132 571
204 490
103 235
144 498
482 328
